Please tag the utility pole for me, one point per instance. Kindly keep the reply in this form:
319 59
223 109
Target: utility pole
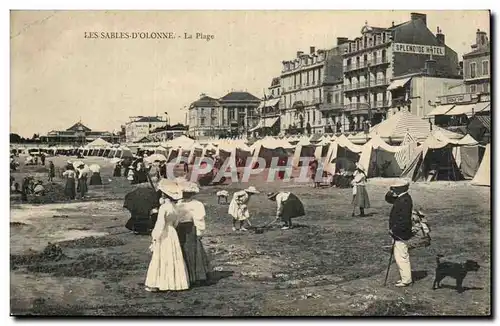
369 95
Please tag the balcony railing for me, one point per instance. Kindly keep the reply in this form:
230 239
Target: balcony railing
331 107
365 64
373 83
356 106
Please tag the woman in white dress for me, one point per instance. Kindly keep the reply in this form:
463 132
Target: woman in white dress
167 270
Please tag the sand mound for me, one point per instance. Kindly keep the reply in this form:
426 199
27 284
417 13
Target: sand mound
85 265
394 308
52 252
92 242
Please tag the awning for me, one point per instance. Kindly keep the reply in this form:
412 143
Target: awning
482 107
268 103
441 109
265 123
461 109
398 83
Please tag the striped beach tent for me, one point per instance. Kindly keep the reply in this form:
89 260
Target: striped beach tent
408 145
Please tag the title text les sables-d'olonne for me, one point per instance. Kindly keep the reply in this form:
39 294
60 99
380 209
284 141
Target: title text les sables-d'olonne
148 35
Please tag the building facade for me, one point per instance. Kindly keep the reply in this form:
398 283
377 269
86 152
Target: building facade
269 111
78 134
380 55
477 65
467 108
140 127
233 114
417 93
239 112
309 86
205 117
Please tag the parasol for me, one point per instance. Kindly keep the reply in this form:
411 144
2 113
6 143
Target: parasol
155 158
95 168
139 203
76 164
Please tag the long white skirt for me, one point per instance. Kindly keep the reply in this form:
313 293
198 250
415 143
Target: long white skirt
167 270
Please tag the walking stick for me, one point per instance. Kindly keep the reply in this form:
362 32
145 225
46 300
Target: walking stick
390 262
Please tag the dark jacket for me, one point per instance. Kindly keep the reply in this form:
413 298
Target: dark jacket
400 217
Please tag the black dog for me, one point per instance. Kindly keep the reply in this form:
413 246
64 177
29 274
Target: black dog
455 270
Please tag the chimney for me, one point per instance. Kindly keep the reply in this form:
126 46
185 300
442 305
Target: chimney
430 67
440 36
312 49
415 16
481 38
299 53
342 40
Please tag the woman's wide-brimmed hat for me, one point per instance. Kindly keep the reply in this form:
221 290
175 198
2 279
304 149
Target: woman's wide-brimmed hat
272 195
170 188
252 190
187 186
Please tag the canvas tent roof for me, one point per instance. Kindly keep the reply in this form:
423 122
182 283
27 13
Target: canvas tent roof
99 142
342 141
482 177
401 123
181 141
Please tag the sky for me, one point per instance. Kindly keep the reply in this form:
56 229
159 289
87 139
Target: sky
59 77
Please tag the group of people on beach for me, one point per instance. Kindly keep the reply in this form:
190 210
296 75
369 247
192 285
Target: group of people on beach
179 260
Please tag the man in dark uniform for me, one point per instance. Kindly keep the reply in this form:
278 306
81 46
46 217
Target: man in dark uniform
400 228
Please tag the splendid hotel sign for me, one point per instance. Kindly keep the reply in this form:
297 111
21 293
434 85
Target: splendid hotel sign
419 49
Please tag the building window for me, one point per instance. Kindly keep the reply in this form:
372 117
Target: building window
329 98
375 57
473 70
202 121
319 76
486 68
232 115
486 87
337 98
472 88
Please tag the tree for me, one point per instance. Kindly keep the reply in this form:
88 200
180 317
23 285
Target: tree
15 138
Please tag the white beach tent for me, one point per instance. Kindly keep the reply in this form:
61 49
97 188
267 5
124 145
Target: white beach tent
379 158
342 153
304 148
98 143
269 148
482 177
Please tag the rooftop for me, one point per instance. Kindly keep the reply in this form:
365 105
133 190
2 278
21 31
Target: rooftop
149 119
239 97
205 101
